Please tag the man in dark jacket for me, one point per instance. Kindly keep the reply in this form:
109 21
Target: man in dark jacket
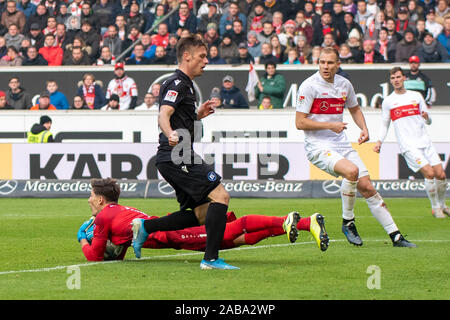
33 58
91 38
183 18
16 96
231 96
432 50
40 132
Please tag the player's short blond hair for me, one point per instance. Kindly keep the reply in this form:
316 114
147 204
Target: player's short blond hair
329 50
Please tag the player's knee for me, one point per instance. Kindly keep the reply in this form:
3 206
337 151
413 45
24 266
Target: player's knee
352 173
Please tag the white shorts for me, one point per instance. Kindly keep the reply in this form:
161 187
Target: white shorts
326 159
416 159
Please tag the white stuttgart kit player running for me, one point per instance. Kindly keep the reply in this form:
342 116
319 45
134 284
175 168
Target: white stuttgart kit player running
409 113
321 101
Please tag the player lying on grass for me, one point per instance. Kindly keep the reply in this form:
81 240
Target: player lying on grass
108 234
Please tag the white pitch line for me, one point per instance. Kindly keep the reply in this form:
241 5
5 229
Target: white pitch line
89 264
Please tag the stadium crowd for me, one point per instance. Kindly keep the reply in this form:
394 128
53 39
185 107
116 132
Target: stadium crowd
78 32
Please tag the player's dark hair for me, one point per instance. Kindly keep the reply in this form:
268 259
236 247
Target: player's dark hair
394 70
188 44
107 188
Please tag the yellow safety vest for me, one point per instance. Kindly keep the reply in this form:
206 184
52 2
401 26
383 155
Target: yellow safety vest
41 137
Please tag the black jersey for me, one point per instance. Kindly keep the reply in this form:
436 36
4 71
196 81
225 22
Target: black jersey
178 92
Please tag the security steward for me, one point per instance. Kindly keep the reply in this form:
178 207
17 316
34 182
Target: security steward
40 132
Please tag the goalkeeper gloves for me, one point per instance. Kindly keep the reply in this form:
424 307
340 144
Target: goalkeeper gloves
84 229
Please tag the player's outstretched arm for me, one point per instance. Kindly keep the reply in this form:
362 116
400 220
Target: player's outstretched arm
360 121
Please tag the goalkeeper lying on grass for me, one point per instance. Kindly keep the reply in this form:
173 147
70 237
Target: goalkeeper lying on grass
108 234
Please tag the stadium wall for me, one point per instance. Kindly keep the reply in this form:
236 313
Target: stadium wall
370 81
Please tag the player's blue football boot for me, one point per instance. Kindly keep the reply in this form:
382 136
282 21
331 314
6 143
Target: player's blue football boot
216 264
139 236
349 229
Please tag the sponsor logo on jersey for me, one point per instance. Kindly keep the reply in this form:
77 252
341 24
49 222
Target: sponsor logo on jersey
171 96
328 106
405 111
212 176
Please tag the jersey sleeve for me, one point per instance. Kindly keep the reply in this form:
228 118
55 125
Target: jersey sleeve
133 89
172 94
305 98
96 250
385 120
351 101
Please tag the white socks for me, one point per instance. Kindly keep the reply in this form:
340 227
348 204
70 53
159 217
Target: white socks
441 188
432 192
348 196
381 213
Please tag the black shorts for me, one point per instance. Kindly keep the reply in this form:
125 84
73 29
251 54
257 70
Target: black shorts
192 183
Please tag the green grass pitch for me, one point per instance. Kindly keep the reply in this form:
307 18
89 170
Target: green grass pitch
39 253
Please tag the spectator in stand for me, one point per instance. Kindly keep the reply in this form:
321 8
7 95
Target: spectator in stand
215 98
113 41
237 32
303 27
138 56
303 49
153 19
350 6
106 58
277 22
420 30
287 34
432 50
329 41
385 47
149 103
12 58
171 49
338 14
213 56
228 49
273 85
403 21
292 57
267 55
91 91
122 7
310 16
415 11
257 17
3 103
444 36
355 43
162 37
104 11
61 36
133 36
227 19
372 30
43 103
345 54
313 58
122 29
266 103
326 26
91 38
57 98
418 81
79 104
442 10
113 103
77 57
50 52
88 15
27 7
77 42
253 45
124 87
40 17
13 16
231 96
63 13
34 58
282 6
407 47
211 17
244 57
267 32
13 37
73 26
50 26
161 57
154 90
370 55
183 19
36 36
52 7
431 25
212 36
136 18
348 27
278 50
17 96
393 35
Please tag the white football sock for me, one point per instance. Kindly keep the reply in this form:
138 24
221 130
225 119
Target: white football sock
430 187
381 213
441 186
348 196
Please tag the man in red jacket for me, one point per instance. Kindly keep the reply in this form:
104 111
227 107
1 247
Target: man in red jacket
110 234
51 52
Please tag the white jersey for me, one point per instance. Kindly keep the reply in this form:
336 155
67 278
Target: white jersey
125 88
325 102
405 111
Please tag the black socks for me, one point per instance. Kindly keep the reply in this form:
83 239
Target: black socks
216 219
174 221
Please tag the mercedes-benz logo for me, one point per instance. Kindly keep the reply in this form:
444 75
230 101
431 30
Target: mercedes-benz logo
331 186
7 186
165 188
324 106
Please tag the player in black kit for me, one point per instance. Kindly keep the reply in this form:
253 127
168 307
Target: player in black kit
202 197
